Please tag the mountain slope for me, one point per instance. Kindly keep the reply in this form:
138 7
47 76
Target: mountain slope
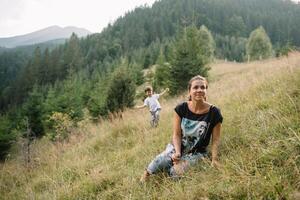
47 34
259 147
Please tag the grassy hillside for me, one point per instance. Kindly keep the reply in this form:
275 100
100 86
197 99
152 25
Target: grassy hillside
259 152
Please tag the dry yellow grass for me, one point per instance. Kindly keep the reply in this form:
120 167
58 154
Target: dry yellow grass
231 78
104 161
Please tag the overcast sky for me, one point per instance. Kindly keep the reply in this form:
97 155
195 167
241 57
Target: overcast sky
18 17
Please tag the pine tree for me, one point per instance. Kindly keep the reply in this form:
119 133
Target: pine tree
162 73
121 91
36 65
136 73
6 136
45 68
207 44
73 57
97 103
188 60
33 110
66 97
147 60
235 26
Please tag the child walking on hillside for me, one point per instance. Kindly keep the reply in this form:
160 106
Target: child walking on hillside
152 102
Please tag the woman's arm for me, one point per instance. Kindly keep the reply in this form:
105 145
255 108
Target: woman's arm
177 138
215 143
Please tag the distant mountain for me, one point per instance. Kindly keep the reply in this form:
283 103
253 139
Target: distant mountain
29 49
47 34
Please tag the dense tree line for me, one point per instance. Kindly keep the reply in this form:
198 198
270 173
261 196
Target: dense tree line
179 37
230 22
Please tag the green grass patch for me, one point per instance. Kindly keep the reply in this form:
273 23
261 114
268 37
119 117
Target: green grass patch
259 152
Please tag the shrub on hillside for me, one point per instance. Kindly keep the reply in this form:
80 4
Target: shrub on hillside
121 91
61 125
259 45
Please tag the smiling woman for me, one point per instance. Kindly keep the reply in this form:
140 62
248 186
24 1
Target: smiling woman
199 89
195 122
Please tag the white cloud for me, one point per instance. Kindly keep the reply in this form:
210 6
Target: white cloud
9 12
24 16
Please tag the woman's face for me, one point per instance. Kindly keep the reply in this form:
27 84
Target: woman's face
198 90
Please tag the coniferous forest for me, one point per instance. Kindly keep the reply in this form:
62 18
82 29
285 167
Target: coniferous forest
59 86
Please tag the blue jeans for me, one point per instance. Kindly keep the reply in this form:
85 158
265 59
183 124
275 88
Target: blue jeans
163 161
154 117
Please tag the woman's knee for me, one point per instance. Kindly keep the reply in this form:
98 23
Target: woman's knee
160 163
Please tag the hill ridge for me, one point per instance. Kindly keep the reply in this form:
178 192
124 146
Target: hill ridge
43 35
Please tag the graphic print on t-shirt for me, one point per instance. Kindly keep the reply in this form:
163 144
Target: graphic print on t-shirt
192 132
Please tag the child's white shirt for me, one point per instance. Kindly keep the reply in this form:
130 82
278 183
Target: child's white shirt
152 102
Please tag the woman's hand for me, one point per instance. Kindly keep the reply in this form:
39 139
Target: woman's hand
181 167
176 157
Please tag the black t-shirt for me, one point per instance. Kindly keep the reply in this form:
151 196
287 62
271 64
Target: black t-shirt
197 128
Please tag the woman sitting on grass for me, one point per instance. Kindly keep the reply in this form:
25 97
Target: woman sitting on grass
195 121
